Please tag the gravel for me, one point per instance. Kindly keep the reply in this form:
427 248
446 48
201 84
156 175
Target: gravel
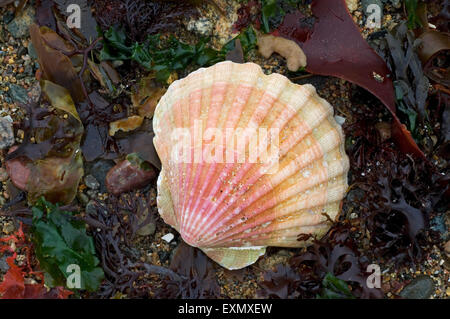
91 182
156 244
6 133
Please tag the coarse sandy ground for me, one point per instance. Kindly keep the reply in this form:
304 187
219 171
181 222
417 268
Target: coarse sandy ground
17 72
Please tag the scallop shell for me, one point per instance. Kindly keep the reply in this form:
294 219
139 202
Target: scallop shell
233 209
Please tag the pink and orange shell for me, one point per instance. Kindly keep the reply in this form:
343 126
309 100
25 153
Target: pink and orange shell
233 210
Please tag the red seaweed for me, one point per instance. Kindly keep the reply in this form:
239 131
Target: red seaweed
335 47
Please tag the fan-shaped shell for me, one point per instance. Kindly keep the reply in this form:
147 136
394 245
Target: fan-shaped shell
233 210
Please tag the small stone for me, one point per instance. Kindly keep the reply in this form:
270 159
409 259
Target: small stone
91 182
32 51
20 134
168 237
99 170
384 129
352 5
91 208
438 224
6 133
19 26
147 230
202 26
8 16
92 193
3 175
21 51
163 256
339 119
396 3
18 171
126 176
18 94
34 92
3 264
150 227
8 228
420 288
83 198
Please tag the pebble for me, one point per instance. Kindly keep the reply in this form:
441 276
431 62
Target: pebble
8 228
126 176
99 170
91 182
3 175
352 5
83 198
34 92
438 224
168 237
19 26
6 133
384 129
202 26
32 51
92 193
3 264
147 230
420 288
339 119
163 256
91 208
18 94
8 17
396 3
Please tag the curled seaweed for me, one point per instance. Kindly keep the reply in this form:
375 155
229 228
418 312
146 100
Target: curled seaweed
401 195
117 222
334 256
197 278
283 283
191 274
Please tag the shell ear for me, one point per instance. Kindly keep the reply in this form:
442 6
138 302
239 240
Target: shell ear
164 201
235 257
